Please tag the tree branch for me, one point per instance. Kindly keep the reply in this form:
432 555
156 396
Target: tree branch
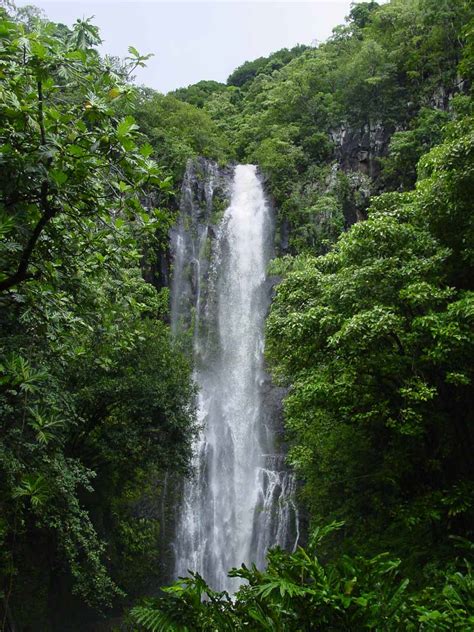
21 273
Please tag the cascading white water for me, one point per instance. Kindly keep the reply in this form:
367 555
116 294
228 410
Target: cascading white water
240 500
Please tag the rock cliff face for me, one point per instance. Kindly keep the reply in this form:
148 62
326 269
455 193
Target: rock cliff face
358 149
205 194
357 154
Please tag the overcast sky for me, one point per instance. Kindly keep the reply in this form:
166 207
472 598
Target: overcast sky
197 40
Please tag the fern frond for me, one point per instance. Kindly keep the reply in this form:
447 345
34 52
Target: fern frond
154 620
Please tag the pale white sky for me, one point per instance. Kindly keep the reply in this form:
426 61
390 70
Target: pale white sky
194 40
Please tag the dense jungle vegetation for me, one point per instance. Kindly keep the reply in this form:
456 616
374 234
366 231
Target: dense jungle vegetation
367 145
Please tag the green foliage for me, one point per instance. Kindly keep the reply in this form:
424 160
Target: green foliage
375 339
316 209
361 13
407 147
199 93
250 69
93 390
65 153
178 130
299 592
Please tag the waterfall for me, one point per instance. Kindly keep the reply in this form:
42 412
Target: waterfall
240 499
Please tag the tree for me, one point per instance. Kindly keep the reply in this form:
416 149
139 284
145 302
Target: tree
95 396
178 131
374 339
360 13
65 151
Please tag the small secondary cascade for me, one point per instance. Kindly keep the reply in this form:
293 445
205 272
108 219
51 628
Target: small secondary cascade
240 500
